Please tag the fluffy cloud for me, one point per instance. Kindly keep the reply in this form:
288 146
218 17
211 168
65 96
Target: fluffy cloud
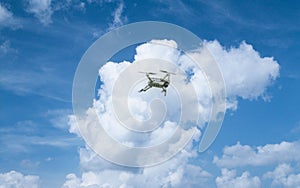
283 176
246 74
173 173
41 9
229 179
242 155
17 180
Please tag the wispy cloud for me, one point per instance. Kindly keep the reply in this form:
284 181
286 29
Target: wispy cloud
13 143
59 118
26 163
5 48
295 130
24 82
41 9
25 136
118 19
178 7
7 18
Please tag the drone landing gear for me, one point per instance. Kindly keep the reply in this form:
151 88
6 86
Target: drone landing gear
145 89
164 91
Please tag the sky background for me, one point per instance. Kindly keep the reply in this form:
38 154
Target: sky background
42 42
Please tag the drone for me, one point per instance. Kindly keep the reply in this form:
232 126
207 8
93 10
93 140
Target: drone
162 83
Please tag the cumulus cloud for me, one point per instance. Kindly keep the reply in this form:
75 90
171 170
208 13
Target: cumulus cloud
283 176
18 180
41 9
246 74
168 178
242 155
229 179
174 173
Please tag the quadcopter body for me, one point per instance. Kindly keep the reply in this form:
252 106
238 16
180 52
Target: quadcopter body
162 83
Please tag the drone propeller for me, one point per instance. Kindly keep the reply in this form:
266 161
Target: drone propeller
164 71
152 73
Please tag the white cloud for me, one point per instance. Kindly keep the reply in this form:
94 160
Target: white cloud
283 176
59 118
34 82
15 179
7 18
160 49
118 19
174 173
229 179
72 181
246 73
22 143
242 155
41 9
296 129
6 48
26 163
178 171
19 84
22 137
73 125
61 142
48 159
4 14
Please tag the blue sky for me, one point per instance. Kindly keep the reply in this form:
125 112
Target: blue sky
42 42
